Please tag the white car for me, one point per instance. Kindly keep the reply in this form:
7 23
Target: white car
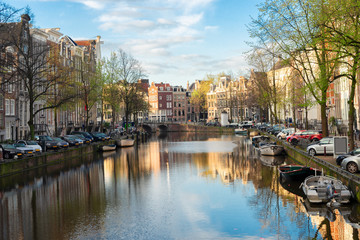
351 163
31 144
325 145
285 132
25 150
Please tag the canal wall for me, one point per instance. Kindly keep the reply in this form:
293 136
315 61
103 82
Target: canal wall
301 157
197 128
16 166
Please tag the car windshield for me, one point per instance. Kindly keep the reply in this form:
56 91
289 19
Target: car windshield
19 145
57 139
32 143
46 138
8 146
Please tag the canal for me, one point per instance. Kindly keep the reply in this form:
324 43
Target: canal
174 186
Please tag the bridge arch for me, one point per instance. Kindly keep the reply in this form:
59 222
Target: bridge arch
147 128
162 128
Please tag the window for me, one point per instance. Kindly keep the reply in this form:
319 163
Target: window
1 102
160 97
12 107
7 107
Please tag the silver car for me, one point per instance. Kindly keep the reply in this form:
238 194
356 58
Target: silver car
325 145
351 163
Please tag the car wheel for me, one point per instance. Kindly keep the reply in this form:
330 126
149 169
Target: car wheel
6 155
312 152
352 167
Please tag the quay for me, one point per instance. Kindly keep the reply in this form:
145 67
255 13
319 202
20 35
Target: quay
326 163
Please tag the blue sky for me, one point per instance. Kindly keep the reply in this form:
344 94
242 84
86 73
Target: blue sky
175 40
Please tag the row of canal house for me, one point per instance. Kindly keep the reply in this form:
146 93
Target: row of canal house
14 108
241 100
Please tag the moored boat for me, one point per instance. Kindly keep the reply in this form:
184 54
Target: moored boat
297 172
241 131
106 148
256 140
324 189
127 142
271 149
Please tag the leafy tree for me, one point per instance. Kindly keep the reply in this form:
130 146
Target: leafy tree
198 96
296 29
344 26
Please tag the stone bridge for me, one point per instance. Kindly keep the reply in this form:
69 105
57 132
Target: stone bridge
179 127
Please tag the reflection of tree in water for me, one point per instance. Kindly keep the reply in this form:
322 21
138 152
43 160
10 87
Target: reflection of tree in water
270 208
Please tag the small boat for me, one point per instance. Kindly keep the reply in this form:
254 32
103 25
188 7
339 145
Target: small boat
241 131
254 133
106 148
256 140
325 189
127 142
271 149
297 172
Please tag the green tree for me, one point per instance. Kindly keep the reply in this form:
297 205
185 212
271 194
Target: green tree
296 29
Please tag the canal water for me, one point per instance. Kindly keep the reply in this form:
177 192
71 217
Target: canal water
175 186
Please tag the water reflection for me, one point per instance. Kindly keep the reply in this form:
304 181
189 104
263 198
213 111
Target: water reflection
205 187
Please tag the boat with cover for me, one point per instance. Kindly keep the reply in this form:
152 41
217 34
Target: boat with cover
256 140
324 189
271 149
297 172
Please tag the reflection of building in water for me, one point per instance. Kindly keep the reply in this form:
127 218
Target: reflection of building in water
329 222
36 210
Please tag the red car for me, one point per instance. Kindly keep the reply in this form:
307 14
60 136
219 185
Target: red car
311 135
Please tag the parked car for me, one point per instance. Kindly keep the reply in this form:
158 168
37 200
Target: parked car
85 134
10 151
274 130
325 145
340 158
26 151
60 142
82 138
47 142
75 140
351 164
247 124
263 127
310 135
97 136
106 137
33 144
283 134
232 125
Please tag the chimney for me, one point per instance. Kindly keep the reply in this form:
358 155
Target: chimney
25 18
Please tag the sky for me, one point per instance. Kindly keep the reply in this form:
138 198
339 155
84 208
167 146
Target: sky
176 41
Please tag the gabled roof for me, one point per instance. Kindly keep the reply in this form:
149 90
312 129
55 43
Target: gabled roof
85 42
